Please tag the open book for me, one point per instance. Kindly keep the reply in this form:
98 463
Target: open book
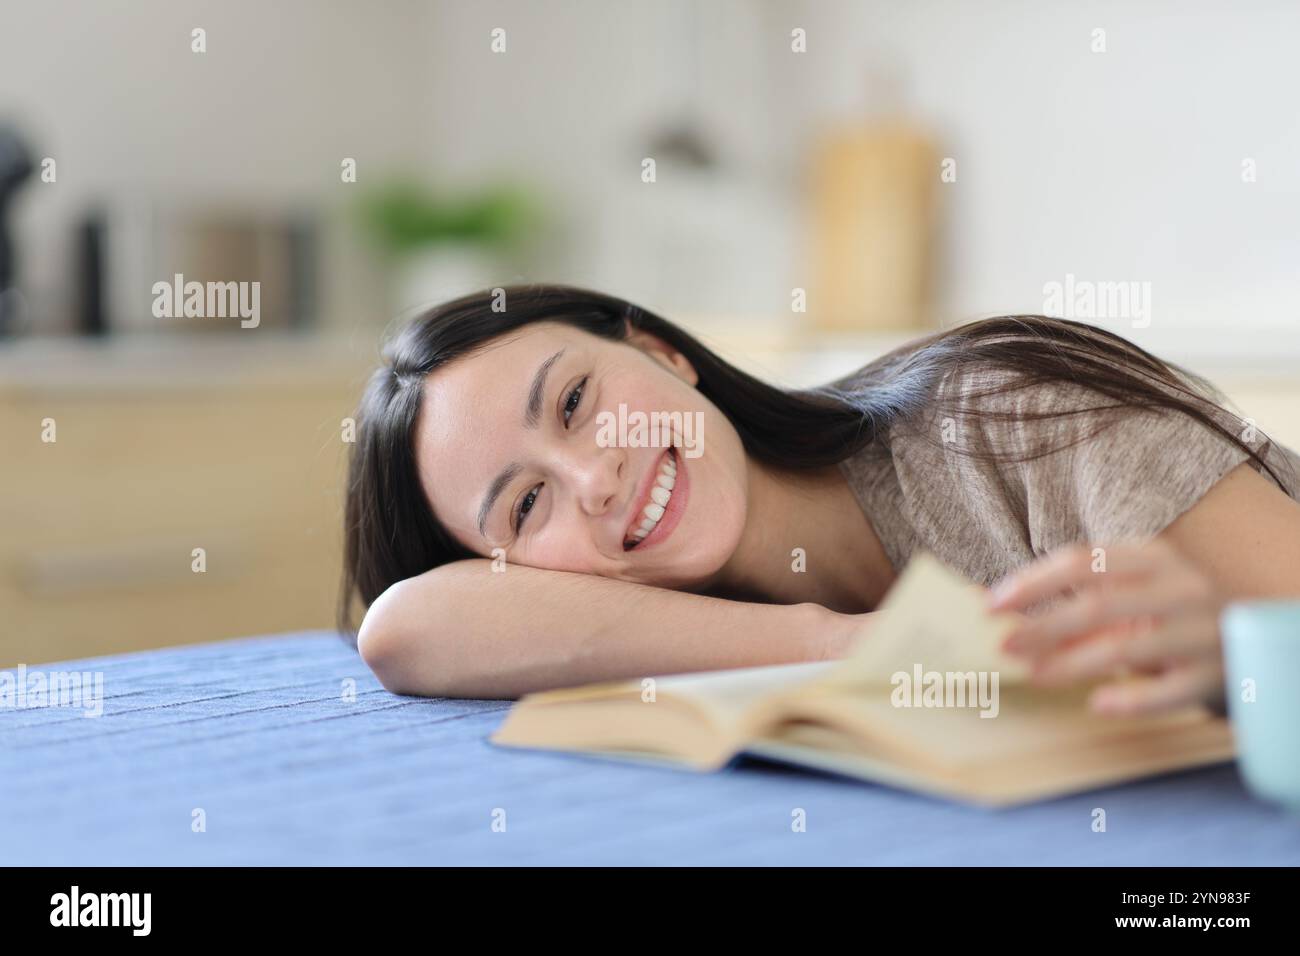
925 700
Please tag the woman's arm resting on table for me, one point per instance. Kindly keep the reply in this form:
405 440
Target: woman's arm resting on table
464 631
1155 608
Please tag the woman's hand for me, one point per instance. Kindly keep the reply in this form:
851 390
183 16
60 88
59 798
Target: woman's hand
1140 610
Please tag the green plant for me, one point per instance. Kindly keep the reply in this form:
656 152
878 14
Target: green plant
403 215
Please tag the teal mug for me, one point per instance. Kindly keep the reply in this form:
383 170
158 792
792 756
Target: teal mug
1261 646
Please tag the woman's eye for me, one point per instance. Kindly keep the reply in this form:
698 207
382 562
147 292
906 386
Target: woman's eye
525 506
571 403
573 400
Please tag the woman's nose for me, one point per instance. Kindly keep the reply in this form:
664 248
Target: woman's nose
599 476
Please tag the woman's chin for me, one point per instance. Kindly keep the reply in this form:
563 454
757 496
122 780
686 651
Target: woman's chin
685 571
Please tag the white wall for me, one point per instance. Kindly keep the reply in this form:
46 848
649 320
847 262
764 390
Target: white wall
573 104
1118 165
285 90
1115 166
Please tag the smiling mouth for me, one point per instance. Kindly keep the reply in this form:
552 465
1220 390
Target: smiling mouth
661 493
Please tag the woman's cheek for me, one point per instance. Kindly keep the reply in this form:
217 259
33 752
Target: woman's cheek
561 552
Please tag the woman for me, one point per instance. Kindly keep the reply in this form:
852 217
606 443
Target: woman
506 538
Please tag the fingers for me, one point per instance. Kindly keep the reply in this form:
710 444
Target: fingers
1191 683
1124 609
1104 605
1144 644
1074 567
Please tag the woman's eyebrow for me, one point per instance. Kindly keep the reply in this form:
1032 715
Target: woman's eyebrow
498 485
532 415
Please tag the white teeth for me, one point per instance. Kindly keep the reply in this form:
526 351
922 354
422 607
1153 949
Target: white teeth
660 493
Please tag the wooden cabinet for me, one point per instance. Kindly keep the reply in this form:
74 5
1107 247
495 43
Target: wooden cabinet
235 449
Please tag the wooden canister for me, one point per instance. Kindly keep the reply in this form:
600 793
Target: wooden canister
873 193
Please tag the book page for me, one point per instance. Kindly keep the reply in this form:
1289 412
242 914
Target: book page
731 692
934 618
1028 723
701 718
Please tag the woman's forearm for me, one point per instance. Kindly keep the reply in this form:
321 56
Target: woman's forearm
462 630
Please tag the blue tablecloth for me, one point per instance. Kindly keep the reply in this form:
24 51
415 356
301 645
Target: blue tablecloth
259 740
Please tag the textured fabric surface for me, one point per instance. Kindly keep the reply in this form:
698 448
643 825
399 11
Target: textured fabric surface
258 734
1118 474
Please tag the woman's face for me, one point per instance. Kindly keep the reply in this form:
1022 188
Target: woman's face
519 448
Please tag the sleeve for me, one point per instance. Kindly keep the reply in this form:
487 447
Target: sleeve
1143 470
1095 472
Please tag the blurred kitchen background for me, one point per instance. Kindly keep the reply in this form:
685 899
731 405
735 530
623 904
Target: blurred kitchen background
830 178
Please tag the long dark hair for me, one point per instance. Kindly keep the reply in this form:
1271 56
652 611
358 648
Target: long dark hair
390 532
